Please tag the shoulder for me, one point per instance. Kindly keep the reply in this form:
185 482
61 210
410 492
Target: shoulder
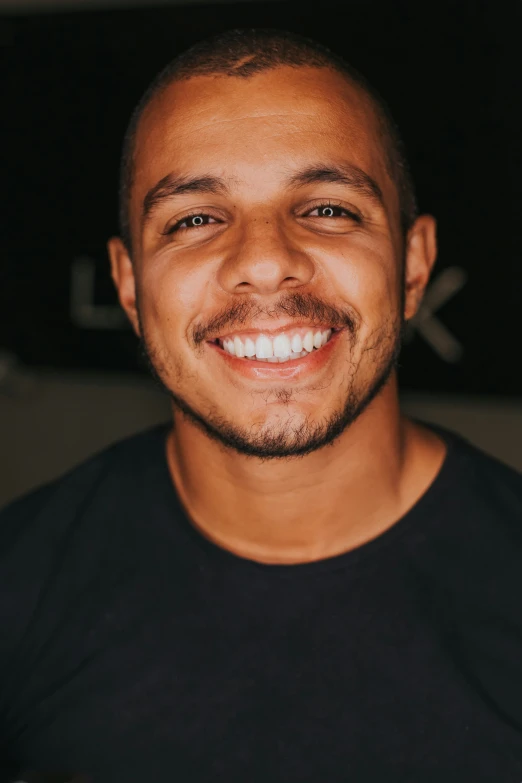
480 566
495 474
480 483
69 491
58 533
468 540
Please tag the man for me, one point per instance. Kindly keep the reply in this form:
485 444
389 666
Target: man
293 582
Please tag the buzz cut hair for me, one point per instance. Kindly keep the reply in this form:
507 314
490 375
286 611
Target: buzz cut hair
241 54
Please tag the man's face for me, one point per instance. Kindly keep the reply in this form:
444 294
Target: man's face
266 256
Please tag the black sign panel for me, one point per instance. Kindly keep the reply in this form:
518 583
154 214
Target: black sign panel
451 74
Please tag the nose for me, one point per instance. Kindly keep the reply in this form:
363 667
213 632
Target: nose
264 260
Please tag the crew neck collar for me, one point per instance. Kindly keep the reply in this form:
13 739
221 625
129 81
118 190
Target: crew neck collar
436 494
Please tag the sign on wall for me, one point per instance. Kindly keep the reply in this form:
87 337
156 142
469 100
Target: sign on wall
71 81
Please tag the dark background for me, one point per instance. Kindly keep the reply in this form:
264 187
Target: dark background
451 74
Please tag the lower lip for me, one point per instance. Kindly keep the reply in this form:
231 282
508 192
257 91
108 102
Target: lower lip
293 369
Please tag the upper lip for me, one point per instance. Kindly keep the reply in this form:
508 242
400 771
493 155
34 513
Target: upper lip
271 332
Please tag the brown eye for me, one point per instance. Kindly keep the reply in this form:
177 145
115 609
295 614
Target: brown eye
333 211
329 211
197 220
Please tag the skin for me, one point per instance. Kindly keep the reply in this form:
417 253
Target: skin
266 244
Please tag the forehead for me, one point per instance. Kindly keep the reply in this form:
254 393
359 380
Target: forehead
253 129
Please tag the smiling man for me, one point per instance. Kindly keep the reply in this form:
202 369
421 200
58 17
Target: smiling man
292 582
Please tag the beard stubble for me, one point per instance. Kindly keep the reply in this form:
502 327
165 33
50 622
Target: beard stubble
287 440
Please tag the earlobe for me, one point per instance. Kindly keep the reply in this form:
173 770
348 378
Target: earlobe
421 252
122 273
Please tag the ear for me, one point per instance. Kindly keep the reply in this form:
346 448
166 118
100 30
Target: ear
122 272
421 252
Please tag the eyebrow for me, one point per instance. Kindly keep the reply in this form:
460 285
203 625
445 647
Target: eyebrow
342 174
173 185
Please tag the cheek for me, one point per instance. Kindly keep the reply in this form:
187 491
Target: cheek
365 276
172 297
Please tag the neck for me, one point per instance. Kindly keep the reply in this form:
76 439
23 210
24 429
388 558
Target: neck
312 507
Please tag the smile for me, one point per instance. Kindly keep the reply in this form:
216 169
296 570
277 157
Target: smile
284 347
273 358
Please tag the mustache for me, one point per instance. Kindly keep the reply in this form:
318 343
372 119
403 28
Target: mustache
299 306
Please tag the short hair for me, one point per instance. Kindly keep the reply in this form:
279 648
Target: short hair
242 54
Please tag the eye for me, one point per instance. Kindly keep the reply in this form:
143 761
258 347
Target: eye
333 211
195 220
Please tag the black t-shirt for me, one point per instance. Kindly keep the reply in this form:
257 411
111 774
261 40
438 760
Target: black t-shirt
134 649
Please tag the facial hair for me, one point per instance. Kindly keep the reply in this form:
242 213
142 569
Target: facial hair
287 440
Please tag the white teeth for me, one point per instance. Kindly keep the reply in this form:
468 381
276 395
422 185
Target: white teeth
279 349
308 342
274 359
297 343
264 348
282 346
238 345
250 347
229 347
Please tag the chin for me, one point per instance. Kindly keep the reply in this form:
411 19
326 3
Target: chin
279 410
292 431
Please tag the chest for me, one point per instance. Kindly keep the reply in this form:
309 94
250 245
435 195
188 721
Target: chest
269 684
